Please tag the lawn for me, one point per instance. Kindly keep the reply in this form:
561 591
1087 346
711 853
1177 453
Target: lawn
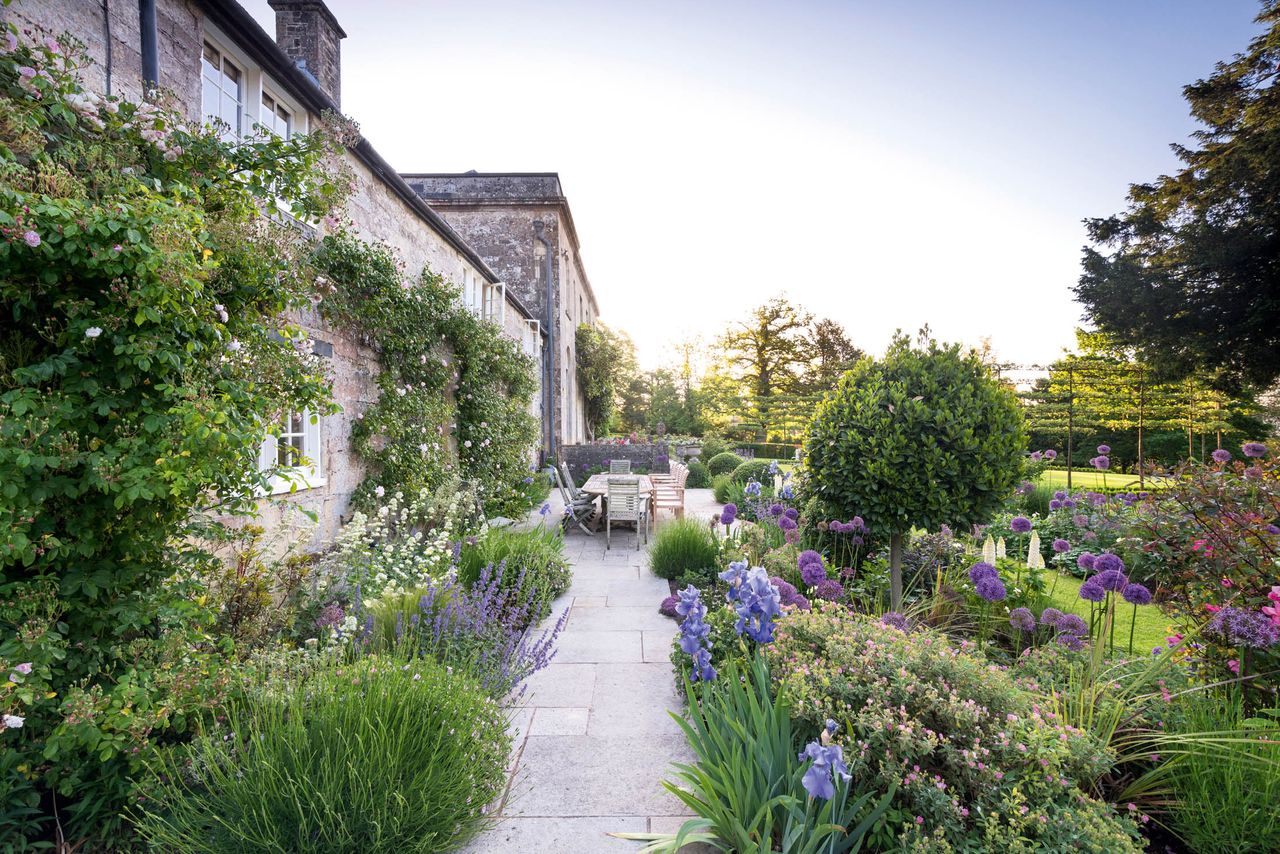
1150 631
1094 479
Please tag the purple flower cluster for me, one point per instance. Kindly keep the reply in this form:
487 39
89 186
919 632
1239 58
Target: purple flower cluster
759 603
1244 628
1022 619
728 513
788 595
695 634
734 576
812 569
828 761
894 619
1136 594
854 526
1070 628
1087 561
1092 591
1060 545
1254 450
1020 525
829 589
986 581
492 614
667 607
1222 455
1101 462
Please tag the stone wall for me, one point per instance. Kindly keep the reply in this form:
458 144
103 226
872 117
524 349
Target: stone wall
582 458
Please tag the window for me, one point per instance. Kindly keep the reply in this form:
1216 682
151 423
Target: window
222 95
294 455
275 117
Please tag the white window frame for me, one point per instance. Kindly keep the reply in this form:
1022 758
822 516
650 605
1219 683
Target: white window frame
311 473
254 82
225 58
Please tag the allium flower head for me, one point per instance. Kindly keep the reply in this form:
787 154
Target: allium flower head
981 570
1055 504
791 513
1060 545
806 557
1112 580
1051 454
813 573
786 590
1104 449
1107 561
991 588
1254 449
1020 524
1222 455
1092 591
775 510
728 513
1050 617
1101 462
1086 561
829 589
1072 624
893 618
1021 619
1060 494
786 523
1136 594
1070 640
1244 628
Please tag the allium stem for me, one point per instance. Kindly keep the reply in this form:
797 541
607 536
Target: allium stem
1133 621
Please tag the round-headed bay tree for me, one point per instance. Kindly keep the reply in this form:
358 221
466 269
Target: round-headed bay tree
925 436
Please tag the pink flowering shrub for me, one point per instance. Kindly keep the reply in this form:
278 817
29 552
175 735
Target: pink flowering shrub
977 761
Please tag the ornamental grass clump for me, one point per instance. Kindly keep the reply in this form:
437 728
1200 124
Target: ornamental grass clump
378 754
974 757
535 558
681 547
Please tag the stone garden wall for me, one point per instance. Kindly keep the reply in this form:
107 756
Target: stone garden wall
653 458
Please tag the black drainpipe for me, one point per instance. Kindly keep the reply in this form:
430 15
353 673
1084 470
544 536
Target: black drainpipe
548 390
150 50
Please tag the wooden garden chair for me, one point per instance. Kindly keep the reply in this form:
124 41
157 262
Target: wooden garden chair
619 466
580 510
626 505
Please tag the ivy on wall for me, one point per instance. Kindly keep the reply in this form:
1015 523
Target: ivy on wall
454 392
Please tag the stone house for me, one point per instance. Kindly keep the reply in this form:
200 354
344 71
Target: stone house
218 62
521 225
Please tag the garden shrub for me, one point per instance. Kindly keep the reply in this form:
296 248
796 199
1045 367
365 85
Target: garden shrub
712 446
484 628
145 352
724 463
535 558
725 491
757 470
975 759
682 546
375 755
921 438
699 476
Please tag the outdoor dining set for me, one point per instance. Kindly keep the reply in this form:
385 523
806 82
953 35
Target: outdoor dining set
620 496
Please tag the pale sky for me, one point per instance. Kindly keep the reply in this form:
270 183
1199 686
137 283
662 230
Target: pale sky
884 164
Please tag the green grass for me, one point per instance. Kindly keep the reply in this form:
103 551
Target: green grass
1150 631
1092 479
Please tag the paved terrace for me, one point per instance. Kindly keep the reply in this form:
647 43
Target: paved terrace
594 739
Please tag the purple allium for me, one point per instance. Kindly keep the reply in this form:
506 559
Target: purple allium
829 589
1022 620
807 557
826 762
981 570
1072 624
1104 449
1026 488
1060 495
1055 504
728 513
813 573
1111 580
1222 455
801 602
856 540
1070 640
1244 628
330 615
858 524
1253 472
668 606
1097 499
791 513
1050 617
1051 454
1254 449
1136 594
786 590
758 605
836 527
1080 520
1092 591
1060 545
1273 530
775 510
1101 462
1020 524
893 618
1068 504
786 523
991 588
1107 561
1036 455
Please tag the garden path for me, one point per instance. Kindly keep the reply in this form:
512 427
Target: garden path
594 739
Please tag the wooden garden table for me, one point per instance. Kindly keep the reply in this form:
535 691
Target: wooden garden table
598 484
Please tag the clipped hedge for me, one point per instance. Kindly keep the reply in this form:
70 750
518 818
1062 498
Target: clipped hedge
753 470
724 463
699 476
769 450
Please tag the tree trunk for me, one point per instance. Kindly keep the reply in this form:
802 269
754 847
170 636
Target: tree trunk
895 572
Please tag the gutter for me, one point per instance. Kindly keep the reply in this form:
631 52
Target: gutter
148 44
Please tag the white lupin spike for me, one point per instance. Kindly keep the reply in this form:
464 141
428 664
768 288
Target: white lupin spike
989 551
1035 560
1000 547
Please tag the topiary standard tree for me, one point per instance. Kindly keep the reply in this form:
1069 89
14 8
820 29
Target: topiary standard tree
923 437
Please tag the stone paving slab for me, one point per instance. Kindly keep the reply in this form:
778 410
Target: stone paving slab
617 618
556 835
598 646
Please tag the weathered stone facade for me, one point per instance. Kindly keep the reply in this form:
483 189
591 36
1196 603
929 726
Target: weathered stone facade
382 206
504 215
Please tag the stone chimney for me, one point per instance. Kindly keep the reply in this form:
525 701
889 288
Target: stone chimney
309 35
